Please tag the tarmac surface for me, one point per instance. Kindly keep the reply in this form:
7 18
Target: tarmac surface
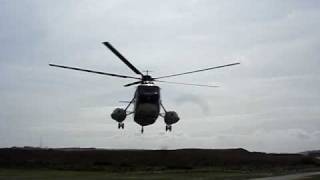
290 177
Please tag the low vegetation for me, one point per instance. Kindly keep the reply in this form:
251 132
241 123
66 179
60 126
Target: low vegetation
148 164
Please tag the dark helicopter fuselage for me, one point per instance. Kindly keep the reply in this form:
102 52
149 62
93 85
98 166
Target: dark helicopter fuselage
147 104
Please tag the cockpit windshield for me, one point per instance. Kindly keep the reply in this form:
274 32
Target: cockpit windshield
148 94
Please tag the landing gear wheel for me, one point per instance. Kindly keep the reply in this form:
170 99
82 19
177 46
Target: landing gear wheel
142 130
120 125
168 128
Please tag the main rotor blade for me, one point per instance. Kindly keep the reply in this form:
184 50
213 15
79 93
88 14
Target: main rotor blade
91 71
134 83
122 58
201 85
216 67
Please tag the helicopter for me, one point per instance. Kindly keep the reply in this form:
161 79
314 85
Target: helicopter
146 100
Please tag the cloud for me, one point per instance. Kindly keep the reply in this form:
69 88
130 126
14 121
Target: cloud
194 100
269 103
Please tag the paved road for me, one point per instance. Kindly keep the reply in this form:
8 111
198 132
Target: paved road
290 177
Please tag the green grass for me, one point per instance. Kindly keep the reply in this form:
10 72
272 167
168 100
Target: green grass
15 174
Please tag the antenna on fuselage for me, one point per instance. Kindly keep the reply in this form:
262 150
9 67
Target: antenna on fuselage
147 72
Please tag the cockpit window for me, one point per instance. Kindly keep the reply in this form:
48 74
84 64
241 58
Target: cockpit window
148 89
149 94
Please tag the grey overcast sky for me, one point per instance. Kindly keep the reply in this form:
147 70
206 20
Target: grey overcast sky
271 102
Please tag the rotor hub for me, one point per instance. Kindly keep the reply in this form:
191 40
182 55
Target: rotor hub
147 78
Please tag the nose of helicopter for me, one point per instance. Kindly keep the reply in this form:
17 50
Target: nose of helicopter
146 114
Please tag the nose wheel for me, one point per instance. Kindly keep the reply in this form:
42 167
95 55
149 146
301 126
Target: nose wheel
142 130
168 128
120 125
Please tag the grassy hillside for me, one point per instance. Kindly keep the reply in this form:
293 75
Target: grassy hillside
135 160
